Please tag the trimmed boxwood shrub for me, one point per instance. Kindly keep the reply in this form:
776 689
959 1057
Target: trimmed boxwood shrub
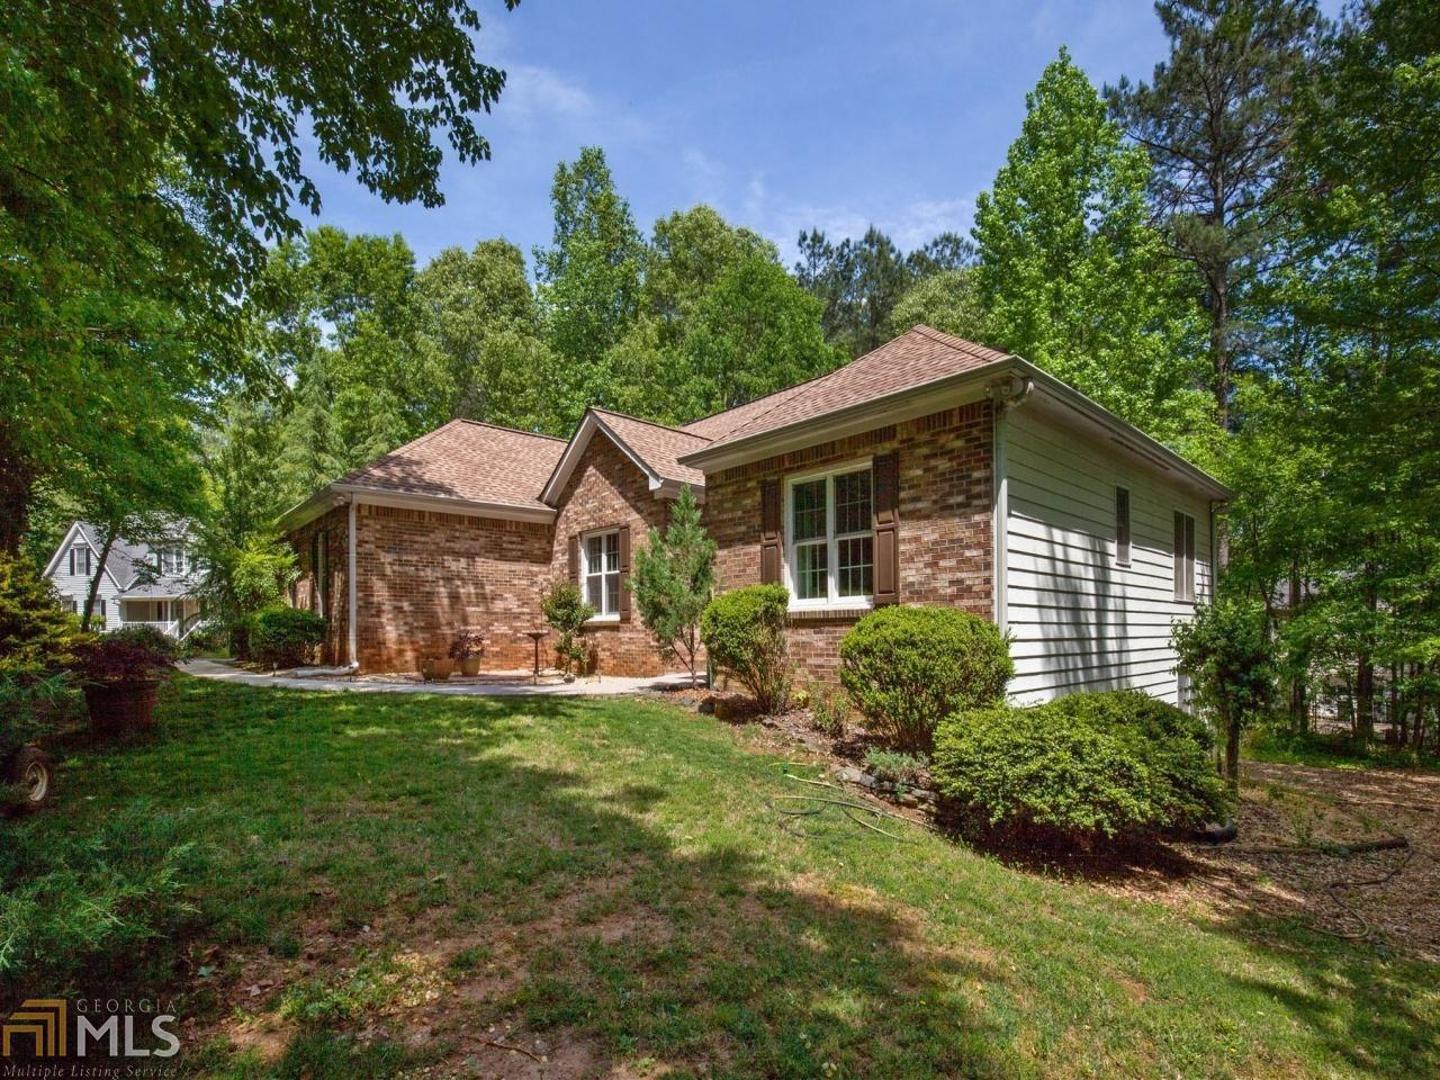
744 635
907 668
286 637
1110 763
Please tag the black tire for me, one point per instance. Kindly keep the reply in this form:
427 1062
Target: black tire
31 771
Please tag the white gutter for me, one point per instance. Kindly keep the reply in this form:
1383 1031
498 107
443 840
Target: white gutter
334 495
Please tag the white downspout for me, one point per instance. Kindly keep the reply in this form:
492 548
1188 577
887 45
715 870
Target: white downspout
1005 395
352 630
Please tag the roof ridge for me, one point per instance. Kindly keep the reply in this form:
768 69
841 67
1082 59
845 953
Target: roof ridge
813 379
649 423
494 427
950 341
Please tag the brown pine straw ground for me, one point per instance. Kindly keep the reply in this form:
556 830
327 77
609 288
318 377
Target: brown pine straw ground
1288 860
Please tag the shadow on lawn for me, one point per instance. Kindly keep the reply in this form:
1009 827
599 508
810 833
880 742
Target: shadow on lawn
407 880
417 883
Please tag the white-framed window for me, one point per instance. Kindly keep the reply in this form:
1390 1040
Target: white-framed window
170 560
80 559
1184 557
70 604
600 572
1122 526
830 538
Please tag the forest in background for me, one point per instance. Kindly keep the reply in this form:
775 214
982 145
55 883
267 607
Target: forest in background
1239 252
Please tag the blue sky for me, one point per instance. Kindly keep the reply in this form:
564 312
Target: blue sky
780 115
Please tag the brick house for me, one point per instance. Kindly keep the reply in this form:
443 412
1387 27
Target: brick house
930 471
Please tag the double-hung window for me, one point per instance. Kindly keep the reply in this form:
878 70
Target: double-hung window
80 560
1122 526
600 572
832 538
1184 557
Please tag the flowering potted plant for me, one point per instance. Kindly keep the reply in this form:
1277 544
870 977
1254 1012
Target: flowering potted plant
467 646
120 673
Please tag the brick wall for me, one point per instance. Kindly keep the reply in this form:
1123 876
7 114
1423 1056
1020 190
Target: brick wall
309 589
422 575
945 537
608 490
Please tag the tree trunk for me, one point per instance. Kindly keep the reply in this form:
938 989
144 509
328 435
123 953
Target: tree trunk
1365 678
1232 750
17 489
1219 347
112 533
1299 714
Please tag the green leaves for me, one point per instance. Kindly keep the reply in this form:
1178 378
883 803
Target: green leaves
1072 276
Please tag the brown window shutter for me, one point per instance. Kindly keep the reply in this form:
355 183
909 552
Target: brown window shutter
770 532
624 573
887 528
575 558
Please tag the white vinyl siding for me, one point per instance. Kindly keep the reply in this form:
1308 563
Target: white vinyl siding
1080 619
74 587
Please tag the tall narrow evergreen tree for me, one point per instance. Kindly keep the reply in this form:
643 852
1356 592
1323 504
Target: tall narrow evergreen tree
674 579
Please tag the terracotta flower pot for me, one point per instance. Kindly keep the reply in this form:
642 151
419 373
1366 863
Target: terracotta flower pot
433 669
117 707
470 666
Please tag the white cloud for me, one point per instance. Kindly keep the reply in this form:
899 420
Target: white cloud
910 225
532 92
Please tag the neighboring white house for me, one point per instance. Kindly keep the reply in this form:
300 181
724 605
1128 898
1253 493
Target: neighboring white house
141 585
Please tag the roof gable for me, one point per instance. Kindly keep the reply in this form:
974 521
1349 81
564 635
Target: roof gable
654 448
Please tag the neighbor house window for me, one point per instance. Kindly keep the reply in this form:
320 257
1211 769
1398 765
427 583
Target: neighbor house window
600 571
1184 557
832 538
1122 526
171 560
80 560
69 604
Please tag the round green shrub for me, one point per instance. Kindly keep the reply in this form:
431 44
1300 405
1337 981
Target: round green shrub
744 635
1110 763
907 668
286 637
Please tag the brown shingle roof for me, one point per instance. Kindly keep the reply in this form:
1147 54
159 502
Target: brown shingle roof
921 356
466 459
658 446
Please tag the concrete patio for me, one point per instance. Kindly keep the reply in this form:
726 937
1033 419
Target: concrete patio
497 684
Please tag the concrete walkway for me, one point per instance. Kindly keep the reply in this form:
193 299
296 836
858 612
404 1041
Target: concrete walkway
485 686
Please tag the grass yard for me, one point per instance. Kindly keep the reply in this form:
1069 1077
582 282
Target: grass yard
396 883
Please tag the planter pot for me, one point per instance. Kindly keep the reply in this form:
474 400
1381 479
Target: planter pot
121 707
470 666
436 670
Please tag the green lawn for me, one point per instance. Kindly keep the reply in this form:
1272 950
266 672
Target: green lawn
608 875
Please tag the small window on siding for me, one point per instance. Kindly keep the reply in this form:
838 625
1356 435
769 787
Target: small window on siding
70 605
1122 526
1184 557
80 560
